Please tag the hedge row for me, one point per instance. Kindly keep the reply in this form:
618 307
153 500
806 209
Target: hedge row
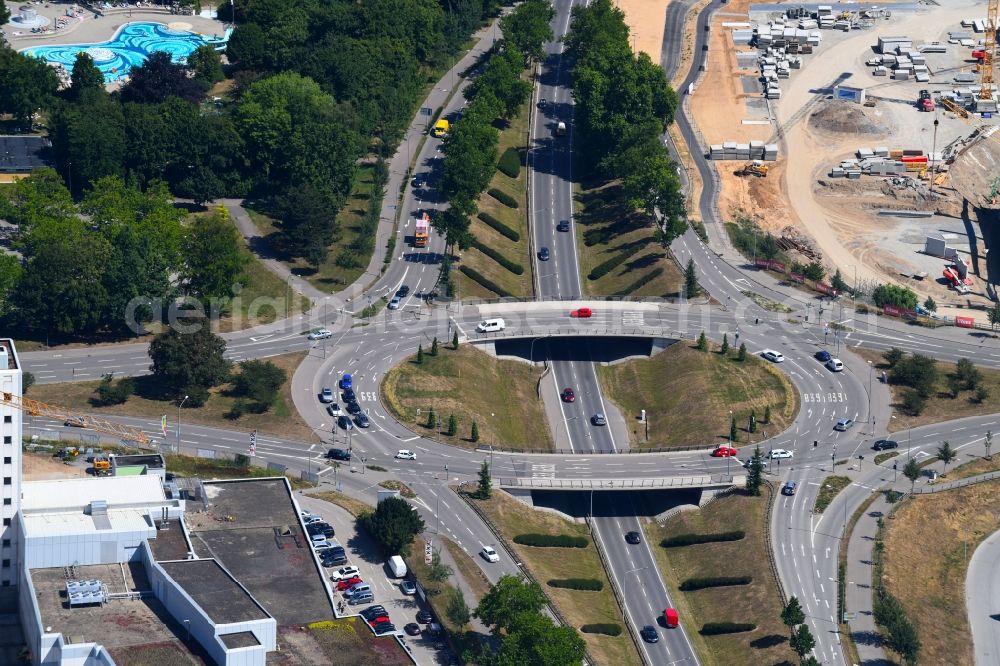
606 629
510 163
641 282
551 540
597 235
502 197
691 539
500 227
590 584
515 268
718 581
484 281
602 269
716 628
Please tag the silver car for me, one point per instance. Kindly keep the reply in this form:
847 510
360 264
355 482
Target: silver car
598 419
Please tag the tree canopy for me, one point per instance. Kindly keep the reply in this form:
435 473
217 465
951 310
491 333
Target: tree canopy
393 524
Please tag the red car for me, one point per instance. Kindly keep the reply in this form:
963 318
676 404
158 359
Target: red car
724 452
582 313
568 395
347 583
378 620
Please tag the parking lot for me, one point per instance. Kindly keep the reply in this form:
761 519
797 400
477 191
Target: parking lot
363 553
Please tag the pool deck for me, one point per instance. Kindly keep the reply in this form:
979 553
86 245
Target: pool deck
92 31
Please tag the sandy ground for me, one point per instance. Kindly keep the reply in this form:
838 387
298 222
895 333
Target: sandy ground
42 466
645 19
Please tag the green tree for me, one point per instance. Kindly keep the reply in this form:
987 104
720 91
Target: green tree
308 215
538 640
206 64
214 256
968 374
891 294
988 442
454 339
485 490
914 402
755 477
837 282
452 426
528 27
893 356
88 140
420 354
752 422
431 419
955 386
702 342
457 610
917 371
691 287
508 600
261 382
724 349
912 471
185 361
158 78
814 271
742 355
994 315
27 381
111 393
802 641
86 77
809 661
438 571
434 346
10 274
393 524
930 305
29 85
474 435
4 14
792 614
946 454
767 414
733 433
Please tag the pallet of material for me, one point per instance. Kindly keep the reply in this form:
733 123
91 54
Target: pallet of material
880 71
934 47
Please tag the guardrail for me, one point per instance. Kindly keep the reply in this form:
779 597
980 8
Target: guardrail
767 540
504 449
476 336
544 483
619 597
502 542
960 483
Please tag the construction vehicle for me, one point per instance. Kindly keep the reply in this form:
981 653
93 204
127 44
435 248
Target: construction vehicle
924 102
423 231
440 129
952 106
102 466
979 55
755 168
127 434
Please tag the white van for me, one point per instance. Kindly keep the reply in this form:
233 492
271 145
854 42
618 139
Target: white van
491 325
397 566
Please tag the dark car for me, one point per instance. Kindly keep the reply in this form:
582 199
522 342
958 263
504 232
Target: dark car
361 420
633 537
335 556
885 444
568 395
338 454
544 254
823 356
353 407
403 291
373 611
424 616
412 629
649 634
322 528
384 628
349 396
344 422
563 225
542 103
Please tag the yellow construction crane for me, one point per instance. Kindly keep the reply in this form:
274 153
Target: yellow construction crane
989 51
37 408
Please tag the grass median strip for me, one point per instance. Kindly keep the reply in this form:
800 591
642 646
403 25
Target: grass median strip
831 486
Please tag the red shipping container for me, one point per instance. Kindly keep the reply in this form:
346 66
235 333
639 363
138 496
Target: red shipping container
965 322
916 158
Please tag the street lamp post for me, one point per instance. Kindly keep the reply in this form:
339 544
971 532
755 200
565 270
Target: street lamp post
870 415
181 404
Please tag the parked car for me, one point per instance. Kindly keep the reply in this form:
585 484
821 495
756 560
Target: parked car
384 628
344 422
788 488
348 583
412 629
424 616
345 572
773 356
843 424
336 556
489 554
778 454
582 313
885 444
321 543
321 334
326 395
408 587
338 454
724 452
374 611
362 421
835 365
324 529
823 356
598 419
374 622
649 634
404 454
633 538
568 395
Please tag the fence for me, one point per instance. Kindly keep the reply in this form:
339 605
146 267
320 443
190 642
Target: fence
536 332
960 483
543 483
502 542
571 452
767 539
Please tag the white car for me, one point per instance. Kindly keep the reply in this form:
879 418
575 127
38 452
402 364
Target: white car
772 356
309 519
321 544
321 334
406 455
489 554
776 454
343 573
835 365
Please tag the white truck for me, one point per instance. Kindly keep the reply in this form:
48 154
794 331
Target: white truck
397 566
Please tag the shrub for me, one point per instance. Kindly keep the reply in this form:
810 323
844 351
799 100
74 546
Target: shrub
500 227
607 629
641 282
483 281
692 584
515 268
110 393
551 540
603 268
502 197
597 235
691 539
510 163
717 628
590 584
891 294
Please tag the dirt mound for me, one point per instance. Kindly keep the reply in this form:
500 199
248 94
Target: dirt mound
839 117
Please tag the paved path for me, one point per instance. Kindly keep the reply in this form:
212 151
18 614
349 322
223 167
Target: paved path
982 600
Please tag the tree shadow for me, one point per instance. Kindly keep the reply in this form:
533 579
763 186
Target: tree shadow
769 641
871 638
644 261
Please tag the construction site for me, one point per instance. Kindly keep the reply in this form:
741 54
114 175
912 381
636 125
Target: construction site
862 138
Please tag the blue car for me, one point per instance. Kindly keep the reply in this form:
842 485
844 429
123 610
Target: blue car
346 383
823 356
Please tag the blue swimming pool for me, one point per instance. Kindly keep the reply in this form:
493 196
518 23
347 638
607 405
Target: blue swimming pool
129 48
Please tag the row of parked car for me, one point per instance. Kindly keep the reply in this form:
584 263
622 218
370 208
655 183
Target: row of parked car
321 537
